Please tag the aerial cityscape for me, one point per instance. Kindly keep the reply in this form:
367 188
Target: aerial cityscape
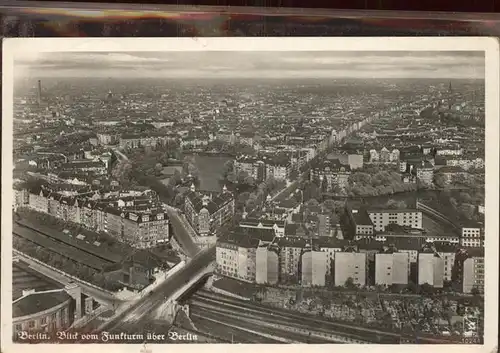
237 197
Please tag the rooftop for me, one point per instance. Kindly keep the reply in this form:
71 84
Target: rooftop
36 302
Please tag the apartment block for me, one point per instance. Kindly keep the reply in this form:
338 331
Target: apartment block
391 268
350 265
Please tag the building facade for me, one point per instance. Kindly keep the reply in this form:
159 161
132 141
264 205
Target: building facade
391 268
208 214
53 313
408 218
471 237
430 269
473 274
267 265
350 265
314 268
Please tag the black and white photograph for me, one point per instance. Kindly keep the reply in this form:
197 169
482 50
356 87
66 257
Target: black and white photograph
250 191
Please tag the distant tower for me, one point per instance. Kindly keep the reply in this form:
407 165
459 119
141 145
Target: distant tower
109 96
39 92
450 93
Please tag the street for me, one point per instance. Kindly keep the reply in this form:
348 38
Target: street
139 311
181 233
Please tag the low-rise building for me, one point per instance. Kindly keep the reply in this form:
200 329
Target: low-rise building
44 311
472 236
277 225
381 218
96 167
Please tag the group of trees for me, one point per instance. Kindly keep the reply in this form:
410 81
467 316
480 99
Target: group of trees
459 180
249 200
457 205
151 162
308 190
231 149
376 184
237 177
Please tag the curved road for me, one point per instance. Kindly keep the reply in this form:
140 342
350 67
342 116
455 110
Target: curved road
180 232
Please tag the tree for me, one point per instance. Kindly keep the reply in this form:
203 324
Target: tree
231 177
294 174
228 167
249 180
440 180
475 291
329 205
192 170
394 288
158 168
242 175
179 199
412 287
324 184
98 279
467 210
349 283
426 288
177 176
459 179
393 204
334 219
316 180
312 203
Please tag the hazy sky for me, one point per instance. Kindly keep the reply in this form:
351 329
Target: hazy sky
211 64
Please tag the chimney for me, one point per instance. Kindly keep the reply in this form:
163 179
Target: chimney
39 92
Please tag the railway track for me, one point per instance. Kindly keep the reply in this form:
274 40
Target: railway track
299 320
267 330
212 302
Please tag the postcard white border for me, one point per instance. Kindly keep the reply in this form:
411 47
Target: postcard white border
15 46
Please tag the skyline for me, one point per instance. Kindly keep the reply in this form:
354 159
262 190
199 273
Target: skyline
268 64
